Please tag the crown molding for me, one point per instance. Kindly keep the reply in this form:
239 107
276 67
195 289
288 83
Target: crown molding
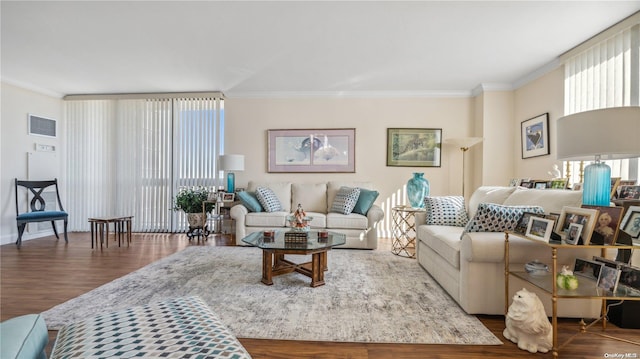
489 87
347 94
30 87
536 74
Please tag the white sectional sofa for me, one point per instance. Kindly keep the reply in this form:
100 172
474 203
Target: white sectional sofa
471 268
316 199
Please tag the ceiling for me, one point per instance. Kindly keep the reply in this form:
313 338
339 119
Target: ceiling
268 48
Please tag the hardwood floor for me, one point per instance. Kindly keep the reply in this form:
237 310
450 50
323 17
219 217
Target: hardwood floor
47 272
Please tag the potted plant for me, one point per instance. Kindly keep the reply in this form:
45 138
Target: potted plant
189 200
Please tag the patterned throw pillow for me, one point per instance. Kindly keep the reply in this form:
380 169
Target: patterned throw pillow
250 201
345 200
268 199
492 217
446 211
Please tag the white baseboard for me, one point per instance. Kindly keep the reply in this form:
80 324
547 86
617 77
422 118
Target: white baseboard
12 237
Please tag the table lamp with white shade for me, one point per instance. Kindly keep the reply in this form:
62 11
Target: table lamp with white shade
464 143
230 163
604 134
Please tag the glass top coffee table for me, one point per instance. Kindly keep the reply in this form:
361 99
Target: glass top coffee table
276 246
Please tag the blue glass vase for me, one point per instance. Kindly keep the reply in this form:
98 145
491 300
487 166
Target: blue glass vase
417 190
597 185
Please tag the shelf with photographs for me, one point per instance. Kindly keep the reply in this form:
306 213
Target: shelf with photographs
588 288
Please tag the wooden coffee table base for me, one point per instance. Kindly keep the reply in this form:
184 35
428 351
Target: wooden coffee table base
274 264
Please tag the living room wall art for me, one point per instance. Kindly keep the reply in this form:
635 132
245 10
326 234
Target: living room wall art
414 147
312 150
535 136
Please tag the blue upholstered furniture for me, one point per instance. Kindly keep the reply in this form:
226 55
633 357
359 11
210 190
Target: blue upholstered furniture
23 337
41 208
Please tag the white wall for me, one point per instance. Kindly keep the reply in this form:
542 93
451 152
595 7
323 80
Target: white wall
545 94
15 143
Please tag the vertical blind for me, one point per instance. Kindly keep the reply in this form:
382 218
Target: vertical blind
606 74
130 157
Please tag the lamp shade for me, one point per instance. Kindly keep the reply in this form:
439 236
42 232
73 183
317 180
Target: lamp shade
611 133
231 162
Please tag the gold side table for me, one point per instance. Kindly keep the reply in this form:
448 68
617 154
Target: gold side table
404 231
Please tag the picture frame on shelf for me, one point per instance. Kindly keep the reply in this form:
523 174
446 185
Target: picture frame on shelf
631 222
514 182
326 150
527 184
587 268
535 136
539 228
414 147
559 183
615 182
629 192
587 217
228 197
540 184
608 279
607 224
523 222
573 234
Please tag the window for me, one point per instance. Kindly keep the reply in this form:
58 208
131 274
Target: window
606 74
130 157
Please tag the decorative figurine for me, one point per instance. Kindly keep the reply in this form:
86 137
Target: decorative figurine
300 215
527 324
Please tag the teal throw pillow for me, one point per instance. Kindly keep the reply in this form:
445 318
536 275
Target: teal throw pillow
345 200
250 201
365 201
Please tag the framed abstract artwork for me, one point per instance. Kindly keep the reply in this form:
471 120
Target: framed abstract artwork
535 136
312 150
414 147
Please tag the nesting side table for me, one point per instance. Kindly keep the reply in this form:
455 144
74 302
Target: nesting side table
404 231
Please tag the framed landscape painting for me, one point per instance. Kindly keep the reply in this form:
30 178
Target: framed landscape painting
535 136
414 147
312 150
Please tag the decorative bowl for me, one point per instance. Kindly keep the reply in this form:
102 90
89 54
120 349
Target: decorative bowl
536 268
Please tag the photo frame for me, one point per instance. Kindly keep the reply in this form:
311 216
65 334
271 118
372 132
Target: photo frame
523 222
629 192
608 279
414 147
228 197
527 184
559 183
587 217
539 228
631 222
587 268
615 182
573 234
607 225
539 184
311 150
535 136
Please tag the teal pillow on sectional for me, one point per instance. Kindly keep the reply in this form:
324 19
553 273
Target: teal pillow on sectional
365 201
250 201
345 200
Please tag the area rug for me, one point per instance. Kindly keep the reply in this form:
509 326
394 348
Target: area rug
369 296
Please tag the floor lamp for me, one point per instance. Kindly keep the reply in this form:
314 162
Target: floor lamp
605 134
464 144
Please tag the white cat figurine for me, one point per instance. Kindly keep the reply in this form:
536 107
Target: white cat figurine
527 324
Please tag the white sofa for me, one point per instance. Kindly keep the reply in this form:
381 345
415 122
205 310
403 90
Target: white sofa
471 269
316 199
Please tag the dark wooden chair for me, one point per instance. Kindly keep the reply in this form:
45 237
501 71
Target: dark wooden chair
38 211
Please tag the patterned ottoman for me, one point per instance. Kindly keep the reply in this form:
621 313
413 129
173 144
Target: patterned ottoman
177 328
